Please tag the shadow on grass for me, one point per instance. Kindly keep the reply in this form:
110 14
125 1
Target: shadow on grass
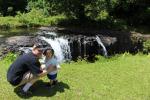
40 89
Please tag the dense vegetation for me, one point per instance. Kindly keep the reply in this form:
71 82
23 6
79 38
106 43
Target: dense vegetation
105 13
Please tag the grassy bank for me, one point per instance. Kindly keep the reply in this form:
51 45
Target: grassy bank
123 77
32 19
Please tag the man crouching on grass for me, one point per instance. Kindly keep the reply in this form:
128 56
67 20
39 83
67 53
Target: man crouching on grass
26 70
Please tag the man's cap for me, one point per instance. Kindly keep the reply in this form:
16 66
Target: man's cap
39 45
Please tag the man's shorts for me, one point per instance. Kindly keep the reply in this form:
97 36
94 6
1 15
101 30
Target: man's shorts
27 77
52 77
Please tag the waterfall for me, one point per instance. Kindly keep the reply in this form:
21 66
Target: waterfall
84 46
61 48
52 33
100 43
68 48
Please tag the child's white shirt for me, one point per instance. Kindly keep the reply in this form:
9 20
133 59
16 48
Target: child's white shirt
52 61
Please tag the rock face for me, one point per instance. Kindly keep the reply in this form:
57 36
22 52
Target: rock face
22 41
80 45
124 40
87 46
13 44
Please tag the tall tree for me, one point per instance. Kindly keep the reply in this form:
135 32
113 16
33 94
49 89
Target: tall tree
10 7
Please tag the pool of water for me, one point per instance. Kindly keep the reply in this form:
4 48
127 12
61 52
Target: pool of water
17 32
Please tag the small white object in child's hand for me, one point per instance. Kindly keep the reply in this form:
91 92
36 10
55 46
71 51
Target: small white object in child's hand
58 66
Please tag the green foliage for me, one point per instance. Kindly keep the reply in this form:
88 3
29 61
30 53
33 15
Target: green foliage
107 13
34 17
54 20
10 7
103 15
7 22
30 19
119 24
43 5
10 57
38 18
146 46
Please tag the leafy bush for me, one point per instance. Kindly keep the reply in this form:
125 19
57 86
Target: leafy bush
7 22
146 46
119 24
103 15
10 57
43 5
31 19
34 17
37 18
54 20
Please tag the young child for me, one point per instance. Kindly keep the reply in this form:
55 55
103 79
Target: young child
51 60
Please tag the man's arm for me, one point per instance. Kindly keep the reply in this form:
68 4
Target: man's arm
46 71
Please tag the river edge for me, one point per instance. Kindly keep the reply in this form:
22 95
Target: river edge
137 38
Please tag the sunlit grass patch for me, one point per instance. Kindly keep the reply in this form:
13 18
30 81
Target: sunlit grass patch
122 77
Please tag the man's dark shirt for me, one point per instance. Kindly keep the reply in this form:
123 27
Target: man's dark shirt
25 63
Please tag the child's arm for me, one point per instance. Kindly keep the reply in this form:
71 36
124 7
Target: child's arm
44 67
46 71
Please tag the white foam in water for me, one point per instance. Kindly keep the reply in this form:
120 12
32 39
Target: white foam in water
61 48
100 43
52 33
25 49
65 48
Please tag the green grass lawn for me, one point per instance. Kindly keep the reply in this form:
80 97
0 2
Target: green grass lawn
123 77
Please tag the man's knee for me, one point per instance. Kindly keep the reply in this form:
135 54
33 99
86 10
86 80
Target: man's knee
28 77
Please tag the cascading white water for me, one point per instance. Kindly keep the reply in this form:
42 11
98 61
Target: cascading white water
100 43
52 33
61 48
84 45
64 48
